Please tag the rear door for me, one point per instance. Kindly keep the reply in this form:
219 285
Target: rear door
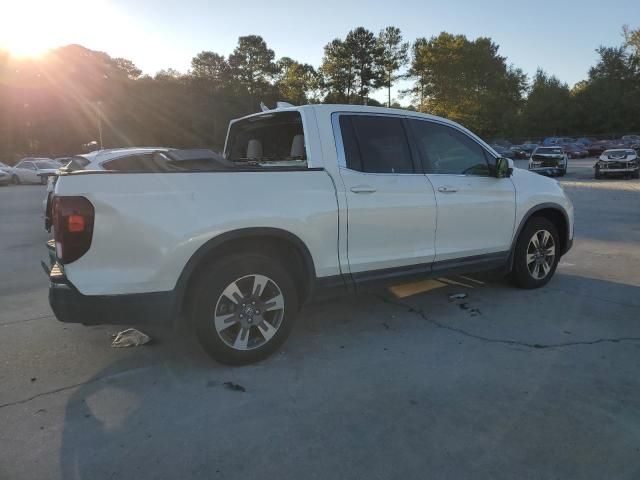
27 172
390 205
476 211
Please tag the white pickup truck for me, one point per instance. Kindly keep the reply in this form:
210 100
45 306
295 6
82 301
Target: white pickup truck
307 201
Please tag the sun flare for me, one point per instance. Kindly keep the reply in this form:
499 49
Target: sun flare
31 27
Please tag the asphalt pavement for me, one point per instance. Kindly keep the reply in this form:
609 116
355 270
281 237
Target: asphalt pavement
404 384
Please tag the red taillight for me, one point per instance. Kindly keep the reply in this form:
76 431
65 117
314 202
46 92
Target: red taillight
75 223
73 227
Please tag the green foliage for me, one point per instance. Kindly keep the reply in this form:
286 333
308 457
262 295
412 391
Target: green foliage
297 83
466 81
548 110
252 68
394 55
52 105
351 67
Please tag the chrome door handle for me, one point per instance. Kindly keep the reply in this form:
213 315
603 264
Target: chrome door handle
363 189
447 189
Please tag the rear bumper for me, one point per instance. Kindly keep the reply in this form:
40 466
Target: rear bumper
71 306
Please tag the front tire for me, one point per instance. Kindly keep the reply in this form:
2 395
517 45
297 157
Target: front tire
243 308
536 255
15 180
598 173
43 180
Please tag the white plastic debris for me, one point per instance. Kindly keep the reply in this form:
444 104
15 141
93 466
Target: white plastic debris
458 296
130 338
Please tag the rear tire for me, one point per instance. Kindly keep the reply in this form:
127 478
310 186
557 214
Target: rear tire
636 174
257 321
534 266
43 180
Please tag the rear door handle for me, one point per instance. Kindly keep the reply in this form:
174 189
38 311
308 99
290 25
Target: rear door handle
363 189
447 189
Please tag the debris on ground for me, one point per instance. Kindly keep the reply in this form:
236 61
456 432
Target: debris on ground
235 387
464 306
475 312
130 338
457 296
386 327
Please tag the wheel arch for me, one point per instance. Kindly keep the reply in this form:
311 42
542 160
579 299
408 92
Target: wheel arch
553 212
282 243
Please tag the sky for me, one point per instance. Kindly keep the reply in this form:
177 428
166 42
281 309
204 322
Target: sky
559 36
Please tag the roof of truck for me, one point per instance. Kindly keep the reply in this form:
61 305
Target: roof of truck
343 108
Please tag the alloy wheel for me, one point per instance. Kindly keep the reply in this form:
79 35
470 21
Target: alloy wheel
541 254
249 312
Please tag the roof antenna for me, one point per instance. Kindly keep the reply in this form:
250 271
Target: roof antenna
263 107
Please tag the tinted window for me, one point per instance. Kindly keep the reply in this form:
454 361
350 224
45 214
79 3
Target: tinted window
375 144
447 151
137 163
46 164
173 161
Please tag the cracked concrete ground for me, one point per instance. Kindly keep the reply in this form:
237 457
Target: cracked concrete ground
502 384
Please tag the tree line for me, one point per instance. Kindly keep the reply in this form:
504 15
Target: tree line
73 96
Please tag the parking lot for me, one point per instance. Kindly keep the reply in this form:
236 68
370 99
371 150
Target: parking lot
405 383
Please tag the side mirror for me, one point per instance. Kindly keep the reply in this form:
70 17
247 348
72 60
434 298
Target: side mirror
504 167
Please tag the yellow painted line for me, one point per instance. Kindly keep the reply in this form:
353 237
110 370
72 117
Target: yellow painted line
472 280
453 282
409 289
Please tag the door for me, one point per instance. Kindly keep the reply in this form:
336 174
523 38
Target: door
476 211
26 172
391 210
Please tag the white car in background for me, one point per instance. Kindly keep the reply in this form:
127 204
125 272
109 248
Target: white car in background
121 159
33 170
620 161
133 159
5 178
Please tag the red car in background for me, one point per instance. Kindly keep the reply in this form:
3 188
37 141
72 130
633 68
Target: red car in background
597 148
575 150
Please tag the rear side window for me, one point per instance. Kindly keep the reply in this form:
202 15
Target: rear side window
375 144
446 150
271 139
138 163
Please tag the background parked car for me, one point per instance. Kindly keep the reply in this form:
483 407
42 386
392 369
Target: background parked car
519 152
575 150
503 151
618 162
5 168
631 139
33 170
597 148
550 161
528 148
4 178
62 160
122 159
585 141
